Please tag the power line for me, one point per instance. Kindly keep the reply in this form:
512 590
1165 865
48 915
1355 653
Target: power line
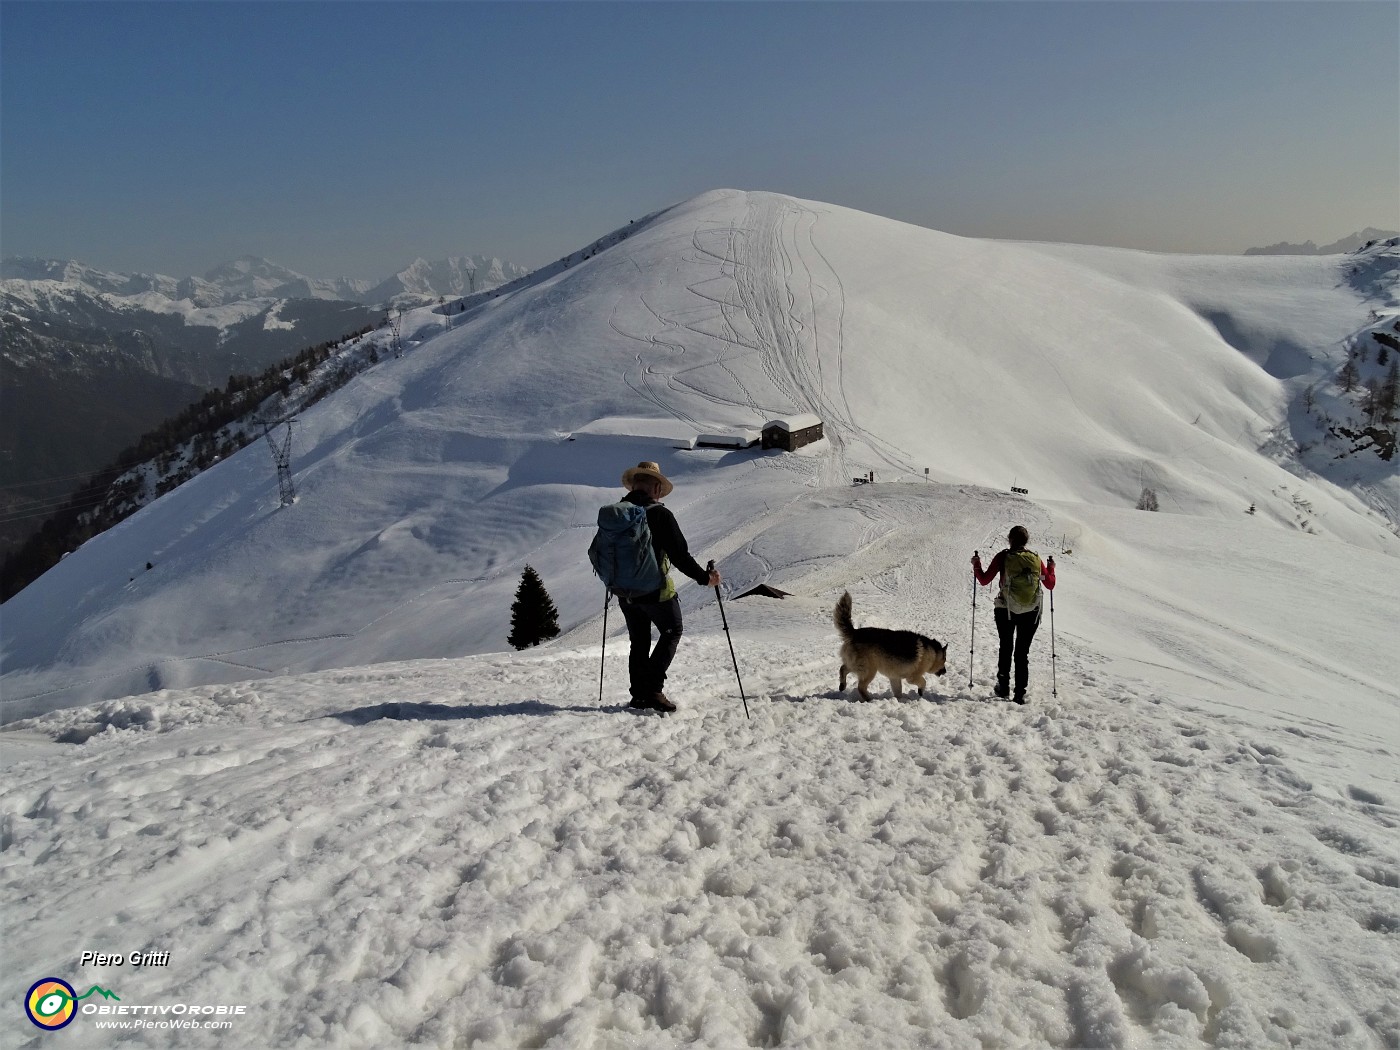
67 477
41 504
10 519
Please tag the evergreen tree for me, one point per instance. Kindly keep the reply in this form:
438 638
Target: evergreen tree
533 617
1148 500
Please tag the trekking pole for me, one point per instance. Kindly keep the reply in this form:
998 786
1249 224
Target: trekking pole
607 598
725 620
972 648
1054 688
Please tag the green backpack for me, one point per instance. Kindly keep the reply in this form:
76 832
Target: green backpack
1021 581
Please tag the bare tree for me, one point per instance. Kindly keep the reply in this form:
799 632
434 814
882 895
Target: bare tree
1348 376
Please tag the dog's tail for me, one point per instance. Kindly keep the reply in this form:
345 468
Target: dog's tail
842 616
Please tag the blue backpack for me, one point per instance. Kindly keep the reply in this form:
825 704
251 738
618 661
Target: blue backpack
622 553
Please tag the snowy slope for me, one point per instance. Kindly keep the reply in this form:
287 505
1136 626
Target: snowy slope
427 484
1192 844
338 804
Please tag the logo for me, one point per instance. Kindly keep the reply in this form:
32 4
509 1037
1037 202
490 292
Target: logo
52 1003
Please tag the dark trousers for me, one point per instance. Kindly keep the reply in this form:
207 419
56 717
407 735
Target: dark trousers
647 666
1015 631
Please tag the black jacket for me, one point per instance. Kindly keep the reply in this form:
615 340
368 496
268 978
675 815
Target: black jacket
667 538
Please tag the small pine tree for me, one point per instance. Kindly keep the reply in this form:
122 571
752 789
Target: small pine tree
533 617
1148 500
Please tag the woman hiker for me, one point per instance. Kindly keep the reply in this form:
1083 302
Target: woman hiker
1017 607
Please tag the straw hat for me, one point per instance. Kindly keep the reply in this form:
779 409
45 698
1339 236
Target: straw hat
648 469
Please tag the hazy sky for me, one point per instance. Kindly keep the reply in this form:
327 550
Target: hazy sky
347 138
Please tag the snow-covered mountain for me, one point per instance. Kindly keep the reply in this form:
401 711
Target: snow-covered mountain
246 280
294 737
458 276
250 277
1083 374
1350 243
75 335
85 372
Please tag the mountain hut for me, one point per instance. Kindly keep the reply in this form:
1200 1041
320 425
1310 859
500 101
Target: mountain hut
792 432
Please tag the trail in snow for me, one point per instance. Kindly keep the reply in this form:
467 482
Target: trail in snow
476 852
473 852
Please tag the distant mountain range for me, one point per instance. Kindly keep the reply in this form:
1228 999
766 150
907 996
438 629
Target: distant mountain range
251 277
93 359
1341 247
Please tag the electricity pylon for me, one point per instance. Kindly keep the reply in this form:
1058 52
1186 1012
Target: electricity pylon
282 456
395 323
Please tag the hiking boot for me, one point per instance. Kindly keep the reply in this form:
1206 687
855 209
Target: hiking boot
655 702
1020 696
1001 691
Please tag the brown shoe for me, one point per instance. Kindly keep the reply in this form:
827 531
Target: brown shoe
662 703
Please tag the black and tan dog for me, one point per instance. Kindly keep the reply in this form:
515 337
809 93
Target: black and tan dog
898 655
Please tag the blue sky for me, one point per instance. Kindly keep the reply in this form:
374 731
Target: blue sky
347 138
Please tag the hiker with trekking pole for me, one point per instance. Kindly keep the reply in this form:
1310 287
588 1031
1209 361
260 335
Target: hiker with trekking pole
637 542
1023 580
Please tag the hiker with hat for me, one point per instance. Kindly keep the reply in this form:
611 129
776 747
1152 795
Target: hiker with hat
660 608
1017 607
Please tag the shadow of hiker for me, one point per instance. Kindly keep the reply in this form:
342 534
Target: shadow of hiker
399 712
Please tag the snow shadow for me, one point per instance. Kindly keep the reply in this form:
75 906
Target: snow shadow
851 696
457 712
1282 358
594 461
597 461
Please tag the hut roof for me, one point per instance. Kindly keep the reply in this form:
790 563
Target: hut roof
765 591
798 422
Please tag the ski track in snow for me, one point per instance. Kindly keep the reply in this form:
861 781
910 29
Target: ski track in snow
779 289
777 298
